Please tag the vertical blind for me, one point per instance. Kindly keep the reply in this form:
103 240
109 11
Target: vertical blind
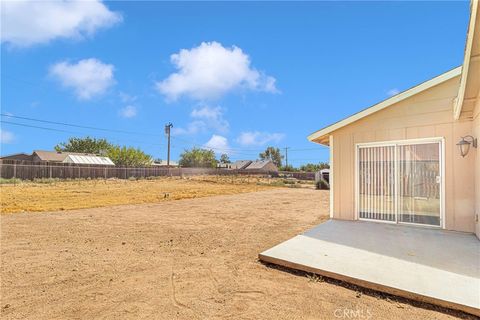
377 183
400 179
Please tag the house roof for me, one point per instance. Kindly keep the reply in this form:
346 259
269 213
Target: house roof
17 156
469 90
241 164
56 155
50 155
259 164
319 136
88 159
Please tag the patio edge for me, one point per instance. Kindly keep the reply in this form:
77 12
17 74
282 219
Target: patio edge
371 285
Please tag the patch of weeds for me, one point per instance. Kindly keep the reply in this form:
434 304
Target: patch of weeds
10 181
46 180
314 278
322 185
294 186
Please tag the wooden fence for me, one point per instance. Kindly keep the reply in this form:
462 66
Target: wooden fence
26 170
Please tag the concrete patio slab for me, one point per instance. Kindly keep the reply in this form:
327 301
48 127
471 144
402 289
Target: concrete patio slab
431 265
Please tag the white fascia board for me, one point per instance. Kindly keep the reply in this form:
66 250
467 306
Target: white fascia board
458 103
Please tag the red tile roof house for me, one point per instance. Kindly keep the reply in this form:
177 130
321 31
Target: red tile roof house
405 193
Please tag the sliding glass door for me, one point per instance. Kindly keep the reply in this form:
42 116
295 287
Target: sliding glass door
400 182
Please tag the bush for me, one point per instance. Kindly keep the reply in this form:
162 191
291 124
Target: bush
10 181
289 181
322 185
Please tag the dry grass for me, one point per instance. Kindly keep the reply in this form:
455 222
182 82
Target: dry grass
52 195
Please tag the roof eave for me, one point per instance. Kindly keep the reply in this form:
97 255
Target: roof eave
458 103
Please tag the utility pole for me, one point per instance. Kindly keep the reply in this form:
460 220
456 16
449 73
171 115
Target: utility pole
168 126
286 156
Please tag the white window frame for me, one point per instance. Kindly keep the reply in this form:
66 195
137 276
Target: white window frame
395 143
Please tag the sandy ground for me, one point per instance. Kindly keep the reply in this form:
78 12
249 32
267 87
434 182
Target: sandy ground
51 195
187 259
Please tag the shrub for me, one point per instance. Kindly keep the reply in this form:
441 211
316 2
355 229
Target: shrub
322 185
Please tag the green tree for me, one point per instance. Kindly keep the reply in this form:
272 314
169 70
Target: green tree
128 156
84 145
224 158
312 167
199 158
120 155
273 154
289 168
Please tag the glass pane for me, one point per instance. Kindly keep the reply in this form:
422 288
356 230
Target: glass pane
419 183
376 183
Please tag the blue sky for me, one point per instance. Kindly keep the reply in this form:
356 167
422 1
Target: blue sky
236 77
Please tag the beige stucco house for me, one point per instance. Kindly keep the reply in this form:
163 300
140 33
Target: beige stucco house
400 161
403 173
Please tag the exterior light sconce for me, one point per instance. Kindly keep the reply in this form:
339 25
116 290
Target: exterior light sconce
464 144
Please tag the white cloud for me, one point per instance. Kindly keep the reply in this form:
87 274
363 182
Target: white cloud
128 112
26 23
204 118
6 136
257 138
393 92
212 117
88 78
218 144
210 71
126 98
192 128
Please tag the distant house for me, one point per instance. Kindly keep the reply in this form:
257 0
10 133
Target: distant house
18 156
262 165
240 164
49 156
61 157
258 165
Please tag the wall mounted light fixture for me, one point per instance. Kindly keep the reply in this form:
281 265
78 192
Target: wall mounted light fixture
464 144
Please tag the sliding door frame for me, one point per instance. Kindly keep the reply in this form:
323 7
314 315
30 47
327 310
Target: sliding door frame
395 144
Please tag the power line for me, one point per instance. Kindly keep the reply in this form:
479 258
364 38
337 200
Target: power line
320 147
239 151
69 131
229 149
37 127
77 125
226 150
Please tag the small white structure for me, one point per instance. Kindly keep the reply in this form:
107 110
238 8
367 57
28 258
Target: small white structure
88 159
224 165
163 163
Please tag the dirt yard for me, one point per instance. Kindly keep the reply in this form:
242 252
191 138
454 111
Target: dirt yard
187 259
51 195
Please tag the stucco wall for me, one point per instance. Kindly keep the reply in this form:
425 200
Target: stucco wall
425 115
